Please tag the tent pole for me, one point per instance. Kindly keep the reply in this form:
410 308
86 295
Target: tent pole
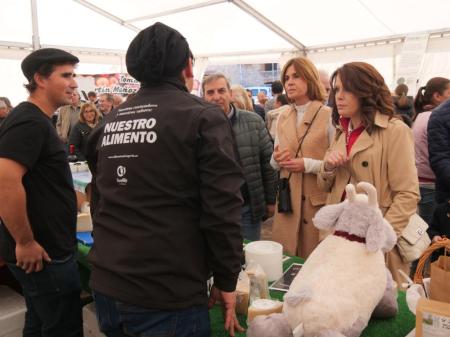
394 64
176 10
34 20
269 24
107 15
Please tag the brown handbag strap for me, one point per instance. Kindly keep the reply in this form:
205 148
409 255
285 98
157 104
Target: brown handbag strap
304 136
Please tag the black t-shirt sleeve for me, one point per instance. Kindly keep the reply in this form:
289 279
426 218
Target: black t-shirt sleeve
22 142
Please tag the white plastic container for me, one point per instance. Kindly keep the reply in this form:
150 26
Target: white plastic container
269 255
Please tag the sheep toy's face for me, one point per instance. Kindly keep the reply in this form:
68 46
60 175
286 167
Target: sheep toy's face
360 199
358 215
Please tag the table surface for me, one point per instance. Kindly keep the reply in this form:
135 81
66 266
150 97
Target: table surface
399 326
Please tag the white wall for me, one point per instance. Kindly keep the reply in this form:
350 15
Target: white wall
11 77
381 57
436 60
385 58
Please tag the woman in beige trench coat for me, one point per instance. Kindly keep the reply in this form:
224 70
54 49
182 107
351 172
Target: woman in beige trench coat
308 119
371 145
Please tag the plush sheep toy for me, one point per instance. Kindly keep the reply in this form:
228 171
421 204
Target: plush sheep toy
345 278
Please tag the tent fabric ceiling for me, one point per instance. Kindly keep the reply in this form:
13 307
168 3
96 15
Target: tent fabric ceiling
228 32
15 21
222 27
67 23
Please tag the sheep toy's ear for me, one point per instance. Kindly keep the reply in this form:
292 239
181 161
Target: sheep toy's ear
371 193
380 234
375 236
391 237
327 216
350 192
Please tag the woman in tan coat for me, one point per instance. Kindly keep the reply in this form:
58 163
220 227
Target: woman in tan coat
307 122
371 145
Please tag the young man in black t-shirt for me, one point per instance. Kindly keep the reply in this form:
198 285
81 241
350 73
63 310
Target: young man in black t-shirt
37 200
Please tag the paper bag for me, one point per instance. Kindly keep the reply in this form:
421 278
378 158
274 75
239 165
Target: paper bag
432 318
440 279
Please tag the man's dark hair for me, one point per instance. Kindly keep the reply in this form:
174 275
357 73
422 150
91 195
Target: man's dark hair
45 71
191 56
43 62
92 94
282 99
277 87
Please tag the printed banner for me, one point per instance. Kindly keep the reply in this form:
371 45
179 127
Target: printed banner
120 84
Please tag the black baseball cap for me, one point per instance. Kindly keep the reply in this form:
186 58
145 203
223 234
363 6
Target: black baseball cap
36 59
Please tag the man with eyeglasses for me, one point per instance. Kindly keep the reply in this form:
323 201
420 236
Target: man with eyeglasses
105 103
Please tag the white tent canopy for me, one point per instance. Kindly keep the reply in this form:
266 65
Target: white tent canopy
228 31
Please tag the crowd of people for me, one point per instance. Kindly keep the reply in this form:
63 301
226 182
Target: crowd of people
187 178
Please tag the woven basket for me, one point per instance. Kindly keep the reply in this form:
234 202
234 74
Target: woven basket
445 243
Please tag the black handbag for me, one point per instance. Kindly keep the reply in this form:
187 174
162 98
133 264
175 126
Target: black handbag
284 190
284 196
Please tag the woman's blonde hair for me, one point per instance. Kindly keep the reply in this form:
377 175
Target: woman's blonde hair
240 98
83 109
308 72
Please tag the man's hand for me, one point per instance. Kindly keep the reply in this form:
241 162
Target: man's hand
281 155
270 210
228 300
334 159
296 165
30 255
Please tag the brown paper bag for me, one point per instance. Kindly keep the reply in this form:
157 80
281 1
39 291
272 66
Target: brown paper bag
432 318
440 279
